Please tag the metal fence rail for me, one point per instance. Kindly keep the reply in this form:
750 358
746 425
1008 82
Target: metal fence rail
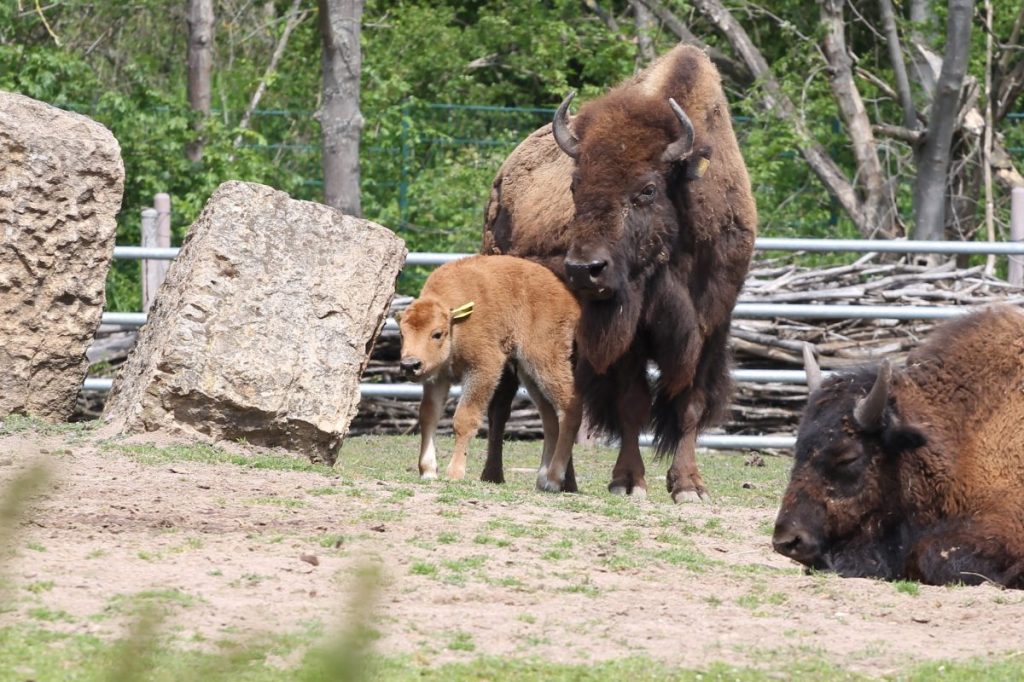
743 310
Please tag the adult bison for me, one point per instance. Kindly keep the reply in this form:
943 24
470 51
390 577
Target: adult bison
917 472
643 204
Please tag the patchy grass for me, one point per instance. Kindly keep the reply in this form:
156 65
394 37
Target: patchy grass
17 423
908 587
208 454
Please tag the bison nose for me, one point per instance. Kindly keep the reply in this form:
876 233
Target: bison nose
410 365
586 275
795 542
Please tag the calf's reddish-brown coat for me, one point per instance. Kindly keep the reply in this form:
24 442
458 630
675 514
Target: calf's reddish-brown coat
520 314
917 471
643 204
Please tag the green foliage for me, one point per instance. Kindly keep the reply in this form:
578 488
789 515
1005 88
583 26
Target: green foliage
448 88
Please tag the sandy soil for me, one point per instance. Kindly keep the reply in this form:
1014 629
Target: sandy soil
231 552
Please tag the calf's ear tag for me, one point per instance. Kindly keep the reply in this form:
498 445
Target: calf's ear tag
462 312
698 167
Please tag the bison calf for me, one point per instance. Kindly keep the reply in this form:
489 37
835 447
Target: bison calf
916 471
474 318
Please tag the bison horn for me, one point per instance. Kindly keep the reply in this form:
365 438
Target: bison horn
683 147
870 408
567 142
811 369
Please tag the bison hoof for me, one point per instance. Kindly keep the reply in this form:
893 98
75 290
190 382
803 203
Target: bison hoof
488 477
637 492
546 483
685 496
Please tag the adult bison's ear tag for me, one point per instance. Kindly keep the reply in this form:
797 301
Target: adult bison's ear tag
697 168
462 312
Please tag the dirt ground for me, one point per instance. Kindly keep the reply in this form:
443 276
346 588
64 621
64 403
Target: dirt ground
468 569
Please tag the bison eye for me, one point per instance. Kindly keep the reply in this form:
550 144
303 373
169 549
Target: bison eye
645 196
846 459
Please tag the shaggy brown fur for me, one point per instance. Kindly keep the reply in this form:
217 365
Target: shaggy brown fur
521 314
677 244
932 491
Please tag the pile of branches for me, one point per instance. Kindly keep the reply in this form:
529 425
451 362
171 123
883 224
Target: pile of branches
777 343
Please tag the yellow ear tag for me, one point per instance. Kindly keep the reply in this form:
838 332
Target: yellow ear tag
701 167
462 312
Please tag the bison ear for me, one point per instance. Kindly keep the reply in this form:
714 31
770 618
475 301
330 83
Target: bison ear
899 438
462 312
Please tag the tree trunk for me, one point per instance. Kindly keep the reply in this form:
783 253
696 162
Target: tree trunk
879 212
200 21
341 123
933 159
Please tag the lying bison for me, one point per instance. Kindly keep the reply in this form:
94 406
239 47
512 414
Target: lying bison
643 205
474 317
917 472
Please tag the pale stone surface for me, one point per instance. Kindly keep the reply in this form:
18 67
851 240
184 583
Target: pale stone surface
61 181
263 325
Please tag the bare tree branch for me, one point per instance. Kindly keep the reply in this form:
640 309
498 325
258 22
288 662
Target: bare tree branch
734 70
986 148
933 160
1009 77
295 17
830 174
907 135
607 18
870 175
923 22
644 28
899 69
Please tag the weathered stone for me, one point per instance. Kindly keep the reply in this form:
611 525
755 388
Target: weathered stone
263 325
61 181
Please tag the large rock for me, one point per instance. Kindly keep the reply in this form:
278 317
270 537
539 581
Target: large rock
263 325
61 181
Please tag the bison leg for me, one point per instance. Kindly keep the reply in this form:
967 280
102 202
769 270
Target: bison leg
561 415
431 405
683 479
632 406
560 470
477 389
497 417
968 552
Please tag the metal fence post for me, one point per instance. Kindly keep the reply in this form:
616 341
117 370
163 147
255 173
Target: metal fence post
156 232
150 283
1015 273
